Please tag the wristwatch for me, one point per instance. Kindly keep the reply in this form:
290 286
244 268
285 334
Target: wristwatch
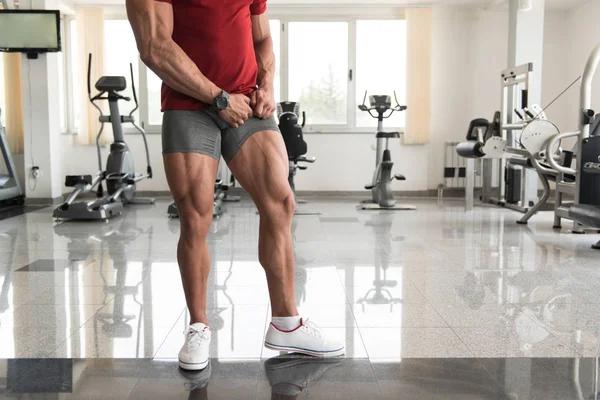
222 101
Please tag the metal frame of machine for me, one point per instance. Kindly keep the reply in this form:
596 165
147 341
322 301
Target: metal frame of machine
515 88
10 187
586 192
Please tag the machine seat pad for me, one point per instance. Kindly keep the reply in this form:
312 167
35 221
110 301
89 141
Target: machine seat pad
387 135
586 215
74 180
111 84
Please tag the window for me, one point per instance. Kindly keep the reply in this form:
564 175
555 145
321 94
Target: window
318 70
275 26
380 66
120 50
325 64
154 85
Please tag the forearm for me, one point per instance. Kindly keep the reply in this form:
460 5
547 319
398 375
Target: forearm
152 24
179 72
265 59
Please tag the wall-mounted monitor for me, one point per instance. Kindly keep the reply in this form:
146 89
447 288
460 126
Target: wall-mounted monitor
30 31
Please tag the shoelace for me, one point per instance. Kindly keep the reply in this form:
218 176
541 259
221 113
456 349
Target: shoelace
312 328
195 337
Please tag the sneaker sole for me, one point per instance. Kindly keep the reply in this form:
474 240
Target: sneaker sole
292 349
193 366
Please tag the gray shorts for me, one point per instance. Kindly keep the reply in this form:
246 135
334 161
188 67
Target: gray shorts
204 132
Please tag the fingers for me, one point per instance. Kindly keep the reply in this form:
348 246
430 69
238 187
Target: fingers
268 111
247 99
253 99
259 109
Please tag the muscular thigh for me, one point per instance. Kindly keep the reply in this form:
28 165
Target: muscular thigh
191 150
261 166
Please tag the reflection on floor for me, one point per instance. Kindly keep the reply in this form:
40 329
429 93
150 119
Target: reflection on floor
289 378
14 211
398 287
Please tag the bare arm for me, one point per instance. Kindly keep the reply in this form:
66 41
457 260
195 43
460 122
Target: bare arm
263 48
152 24
263 100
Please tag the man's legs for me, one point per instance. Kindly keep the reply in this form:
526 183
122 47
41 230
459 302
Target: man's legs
191 178
261 167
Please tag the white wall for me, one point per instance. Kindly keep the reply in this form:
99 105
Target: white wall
556 76
583 35
451 83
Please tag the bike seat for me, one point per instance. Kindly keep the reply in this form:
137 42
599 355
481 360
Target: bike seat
400 177
387 135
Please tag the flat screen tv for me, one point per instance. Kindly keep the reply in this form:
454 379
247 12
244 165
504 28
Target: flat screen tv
30 31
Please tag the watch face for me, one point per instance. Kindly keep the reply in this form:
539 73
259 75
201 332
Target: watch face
223 101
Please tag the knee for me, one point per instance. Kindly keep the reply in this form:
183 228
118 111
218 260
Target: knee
195 222
280 209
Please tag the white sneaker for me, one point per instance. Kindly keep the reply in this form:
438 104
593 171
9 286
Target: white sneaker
194 353
305 339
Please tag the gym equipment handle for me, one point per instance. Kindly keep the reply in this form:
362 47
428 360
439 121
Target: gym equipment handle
552 144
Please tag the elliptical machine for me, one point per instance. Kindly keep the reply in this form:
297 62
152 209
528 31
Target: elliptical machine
381 185
120 175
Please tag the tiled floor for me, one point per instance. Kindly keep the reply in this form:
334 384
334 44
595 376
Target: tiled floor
431 304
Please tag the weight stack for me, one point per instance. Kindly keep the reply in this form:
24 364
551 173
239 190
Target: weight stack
513 181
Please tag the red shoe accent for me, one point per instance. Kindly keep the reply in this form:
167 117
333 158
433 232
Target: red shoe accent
293 330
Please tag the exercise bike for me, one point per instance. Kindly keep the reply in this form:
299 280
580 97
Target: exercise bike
120 175
381 185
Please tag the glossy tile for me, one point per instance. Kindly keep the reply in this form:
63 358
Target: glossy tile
433 283
397 316
485 315
384 292
513 340
393 344
436 379
75 295
317 378
108 338
545 378
66 316
30 341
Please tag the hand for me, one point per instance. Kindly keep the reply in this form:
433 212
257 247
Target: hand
263 102
238 111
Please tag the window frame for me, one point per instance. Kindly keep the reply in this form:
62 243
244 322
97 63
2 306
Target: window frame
285 19
285 15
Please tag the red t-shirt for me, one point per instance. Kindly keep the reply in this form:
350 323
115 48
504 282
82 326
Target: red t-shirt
217 36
